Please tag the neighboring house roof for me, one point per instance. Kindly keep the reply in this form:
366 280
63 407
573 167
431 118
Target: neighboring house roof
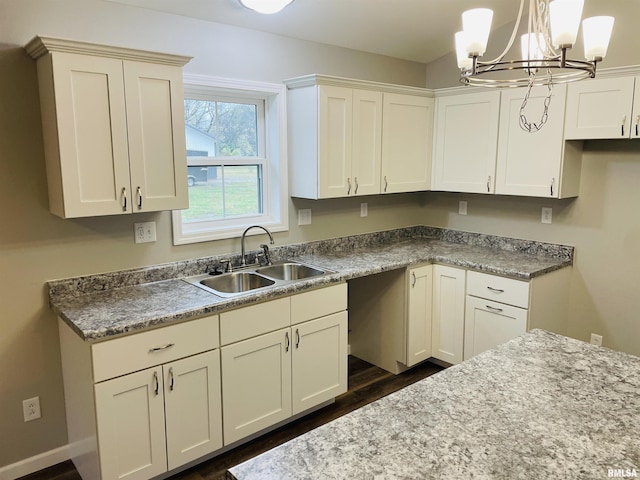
200 141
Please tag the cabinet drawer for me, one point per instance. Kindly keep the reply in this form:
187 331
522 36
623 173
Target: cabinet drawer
248 322
146 349
318 303
500 289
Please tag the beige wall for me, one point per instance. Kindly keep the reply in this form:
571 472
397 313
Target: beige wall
36 246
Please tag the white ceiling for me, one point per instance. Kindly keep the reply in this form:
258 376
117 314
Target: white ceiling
419 30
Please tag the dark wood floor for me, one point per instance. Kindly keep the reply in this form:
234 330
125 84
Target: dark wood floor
366 384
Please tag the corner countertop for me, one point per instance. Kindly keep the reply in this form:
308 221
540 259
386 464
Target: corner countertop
101 306
541 406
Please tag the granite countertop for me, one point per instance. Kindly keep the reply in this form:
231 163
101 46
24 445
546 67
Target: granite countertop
101 306
541 406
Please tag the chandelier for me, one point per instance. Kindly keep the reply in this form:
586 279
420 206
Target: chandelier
266 6
552 29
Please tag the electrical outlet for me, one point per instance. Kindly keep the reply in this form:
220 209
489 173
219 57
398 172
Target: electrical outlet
145 232
304 216
364 209
462 207
547 214
596 339
31 409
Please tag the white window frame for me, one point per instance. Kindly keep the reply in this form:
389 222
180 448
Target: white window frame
272 157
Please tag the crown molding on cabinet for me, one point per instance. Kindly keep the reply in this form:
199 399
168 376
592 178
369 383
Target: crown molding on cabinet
40 46
315 79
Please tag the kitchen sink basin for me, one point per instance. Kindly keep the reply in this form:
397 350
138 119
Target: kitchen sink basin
290 271
255 278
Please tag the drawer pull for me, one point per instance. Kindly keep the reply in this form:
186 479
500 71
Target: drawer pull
156 384
496 290
286 337
297 338
413 284
171 379
163 347
493 308
349 184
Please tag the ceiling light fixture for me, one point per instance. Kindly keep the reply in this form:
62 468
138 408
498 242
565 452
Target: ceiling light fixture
266 6
552 29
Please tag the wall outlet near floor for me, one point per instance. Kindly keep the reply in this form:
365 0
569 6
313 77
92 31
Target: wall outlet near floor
31 409
304 216
596 339
547 214
462 207
364 209
145 232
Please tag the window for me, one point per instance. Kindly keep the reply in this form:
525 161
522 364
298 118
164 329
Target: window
236 159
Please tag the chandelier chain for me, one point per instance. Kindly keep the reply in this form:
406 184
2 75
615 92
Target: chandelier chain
532 127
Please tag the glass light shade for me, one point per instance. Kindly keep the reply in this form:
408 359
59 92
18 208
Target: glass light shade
266 6
564 17
596 32
464 62
476 24
533 47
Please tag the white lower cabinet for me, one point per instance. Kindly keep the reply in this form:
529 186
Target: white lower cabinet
155 420
448 313
489 324
270 377
256 384
419 318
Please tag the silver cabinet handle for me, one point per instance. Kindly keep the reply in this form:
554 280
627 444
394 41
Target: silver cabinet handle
297 338
163 347
286 337
637 122
489 184
413 283
496 290
624 119
386 183
349 183
124 199
553 181
139 195
156 384
171 379
493 308
355 192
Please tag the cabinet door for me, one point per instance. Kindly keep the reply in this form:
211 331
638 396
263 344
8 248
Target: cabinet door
89 105
335 133
406 143
256 384
448 313
366 142
530 164
130 424
418 329
635 120
599 108
157 148
193 407
319 371
466 138
488 324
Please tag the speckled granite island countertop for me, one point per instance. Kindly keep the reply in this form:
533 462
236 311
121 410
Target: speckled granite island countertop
103 305
541 406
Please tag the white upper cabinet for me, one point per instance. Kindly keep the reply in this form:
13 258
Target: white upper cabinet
536 164
603 108
113 127
406 143
465 142
348 137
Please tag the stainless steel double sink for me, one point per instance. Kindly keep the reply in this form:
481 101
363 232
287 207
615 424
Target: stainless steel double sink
255 278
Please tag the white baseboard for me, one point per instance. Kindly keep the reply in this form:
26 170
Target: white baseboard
35 463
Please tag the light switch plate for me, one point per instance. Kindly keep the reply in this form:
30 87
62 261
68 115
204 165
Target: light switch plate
364 209
547 214
304 216
144 232
462 207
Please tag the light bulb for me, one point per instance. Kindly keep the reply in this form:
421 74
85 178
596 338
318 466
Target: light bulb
596 32
464 62
266 6
564 17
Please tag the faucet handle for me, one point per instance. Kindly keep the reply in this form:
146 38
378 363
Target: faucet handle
267 256
229 267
